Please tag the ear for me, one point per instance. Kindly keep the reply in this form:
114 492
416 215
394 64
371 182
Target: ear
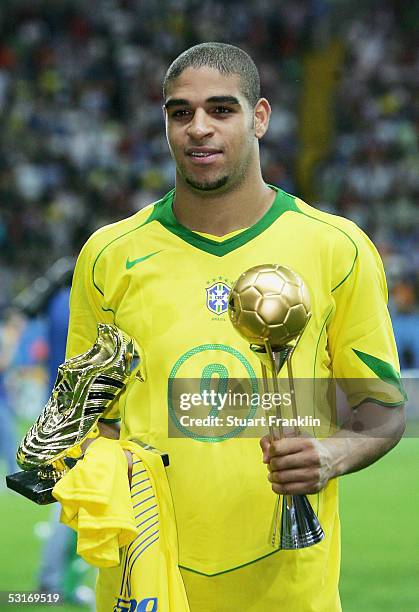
262 113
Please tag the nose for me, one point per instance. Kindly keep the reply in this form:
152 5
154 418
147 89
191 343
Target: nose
200 127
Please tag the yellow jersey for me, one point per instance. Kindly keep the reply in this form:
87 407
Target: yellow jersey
168 286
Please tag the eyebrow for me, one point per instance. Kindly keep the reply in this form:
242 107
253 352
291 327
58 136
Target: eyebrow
212 100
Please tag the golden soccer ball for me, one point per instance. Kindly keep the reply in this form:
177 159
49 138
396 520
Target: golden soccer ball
269 302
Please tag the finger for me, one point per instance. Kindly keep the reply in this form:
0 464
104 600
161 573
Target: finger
291 476
265 444
296 488
288 446
302 459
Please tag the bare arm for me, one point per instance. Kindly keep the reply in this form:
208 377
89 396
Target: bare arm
382 428
305 465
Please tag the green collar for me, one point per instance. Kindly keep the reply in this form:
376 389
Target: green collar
163 213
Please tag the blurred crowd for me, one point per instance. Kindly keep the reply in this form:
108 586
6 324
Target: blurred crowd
82 144
372 173
82 139
80 108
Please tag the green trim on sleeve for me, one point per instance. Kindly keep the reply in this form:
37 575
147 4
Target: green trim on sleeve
347 275
385 371
118 238
318 340
314 370
372 400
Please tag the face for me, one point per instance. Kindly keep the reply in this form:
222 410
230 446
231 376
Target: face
211 130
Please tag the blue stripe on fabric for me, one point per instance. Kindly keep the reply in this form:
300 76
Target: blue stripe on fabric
142 491
138 536
133 552
147 519
144 511
137 473
139 555
122 601
149 527
140 482
122 590
144 500
140 544
126 576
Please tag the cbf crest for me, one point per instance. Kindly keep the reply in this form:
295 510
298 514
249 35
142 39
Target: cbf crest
217 296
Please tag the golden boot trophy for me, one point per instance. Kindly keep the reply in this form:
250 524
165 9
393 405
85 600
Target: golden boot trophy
269 306
84 390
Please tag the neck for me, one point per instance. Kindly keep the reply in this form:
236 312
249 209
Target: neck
220 214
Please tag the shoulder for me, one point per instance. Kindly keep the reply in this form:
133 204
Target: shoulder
117 234
105 236
339 230
340 241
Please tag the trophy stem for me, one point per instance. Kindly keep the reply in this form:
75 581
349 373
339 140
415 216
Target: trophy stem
297 431
295 525
272 436
275 360
275 532
286 303
278 407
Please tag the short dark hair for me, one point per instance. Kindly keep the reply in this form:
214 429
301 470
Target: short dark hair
227 59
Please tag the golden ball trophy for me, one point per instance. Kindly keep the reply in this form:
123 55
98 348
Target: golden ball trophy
269 306
85 388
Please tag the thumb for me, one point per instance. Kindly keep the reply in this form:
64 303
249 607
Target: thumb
265 444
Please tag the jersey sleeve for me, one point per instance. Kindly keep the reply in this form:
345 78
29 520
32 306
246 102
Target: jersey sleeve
87 309
361 340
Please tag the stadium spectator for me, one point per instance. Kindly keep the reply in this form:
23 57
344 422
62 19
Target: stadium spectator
79 127
11 329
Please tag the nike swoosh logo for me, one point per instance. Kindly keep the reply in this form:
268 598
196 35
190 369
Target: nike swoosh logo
130 264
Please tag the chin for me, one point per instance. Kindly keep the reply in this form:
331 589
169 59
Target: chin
213 185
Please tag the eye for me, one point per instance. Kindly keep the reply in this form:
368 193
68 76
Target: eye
222 110
181 113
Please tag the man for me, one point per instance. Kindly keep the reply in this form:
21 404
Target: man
154 276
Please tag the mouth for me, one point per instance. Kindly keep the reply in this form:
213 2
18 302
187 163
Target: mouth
203 155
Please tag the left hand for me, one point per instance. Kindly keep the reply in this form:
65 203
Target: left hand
297 466
128 455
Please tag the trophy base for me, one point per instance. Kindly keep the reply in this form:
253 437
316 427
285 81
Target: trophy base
29 484
300 527
304 540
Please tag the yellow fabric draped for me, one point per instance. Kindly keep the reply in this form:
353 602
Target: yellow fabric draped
128 533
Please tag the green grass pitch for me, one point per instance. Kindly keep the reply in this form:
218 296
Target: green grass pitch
380 539
380 535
